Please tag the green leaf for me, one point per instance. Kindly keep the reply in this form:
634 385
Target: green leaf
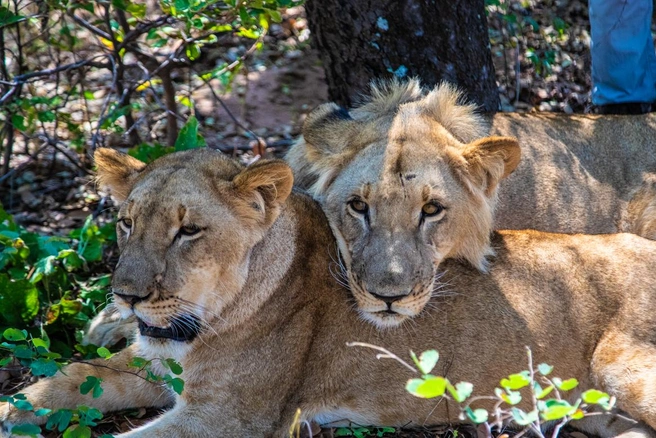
427 361
430 387
26 430
516 381
137 10
44 367
19 301
18 121
12 334
477 416
44 268
23 405
557 409
104 352
510 397
174 366
461 391
177 384
193 51
138 362
92 384
545 369
188 138
522 418
595 397
566 385
59 419
545 392
41 412
23 352
70 259
77 431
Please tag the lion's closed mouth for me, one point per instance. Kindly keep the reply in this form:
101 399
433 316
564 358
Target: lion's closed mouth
183 329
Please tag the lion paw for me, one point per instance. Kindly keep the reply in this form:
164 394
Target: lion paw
108 328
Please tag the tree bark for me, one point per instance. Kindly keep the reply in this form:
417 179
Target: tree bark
361 40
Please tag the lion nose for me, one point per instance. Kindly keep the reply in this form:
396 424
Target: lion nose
388 299
131 299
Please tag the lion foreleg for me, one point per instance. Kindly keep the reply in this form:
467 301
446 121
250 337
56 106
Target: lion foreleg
122 388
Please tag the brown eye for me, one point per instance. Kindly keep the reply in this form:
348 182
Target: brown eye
125 224
359 206
431 209
189 230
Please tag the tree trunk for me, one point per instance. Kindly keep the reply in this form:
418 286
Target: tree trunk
361 40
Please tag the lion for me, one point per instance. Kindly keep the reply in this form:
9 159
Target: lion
227 271
372 169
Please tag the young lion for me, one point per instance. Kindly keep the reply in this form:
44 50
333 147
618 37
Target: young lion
228 273
373 171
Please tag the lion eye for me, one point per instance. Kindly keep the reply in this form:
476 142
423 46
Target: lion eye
359 206
189 230
125 224
431 209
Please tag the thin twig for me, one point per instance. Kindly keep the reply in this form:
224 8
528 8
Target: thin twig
385 354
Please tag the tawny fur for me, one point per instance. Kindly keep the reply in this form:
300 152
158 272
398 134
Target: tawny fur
277 322
577 174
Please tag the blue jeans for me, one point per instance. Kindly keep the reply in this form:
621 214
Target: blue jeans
622 49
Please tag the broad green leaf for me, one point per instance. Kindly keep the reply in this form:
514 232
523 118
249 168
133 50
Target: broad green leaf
545 369
77 431
23 352
595 397
177 384
104 352
59 419
523 418
477 416
188 138
19 301
12 334
41 412
429 387
92 384
44 268
557 409
174 366
44 367
193 51
516 381
26 430
510 397
566 385
460 391
427 361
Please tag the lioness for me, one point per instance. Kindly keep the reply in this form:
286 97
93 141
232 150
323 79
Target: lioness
228 273
373 170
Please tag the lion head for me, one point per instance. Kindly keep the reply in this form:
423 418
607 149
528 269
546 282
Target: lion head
186 226
406 181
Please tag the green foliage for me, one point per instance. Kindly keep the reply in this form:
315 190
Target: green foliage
543 51
48 285
530 382
363 432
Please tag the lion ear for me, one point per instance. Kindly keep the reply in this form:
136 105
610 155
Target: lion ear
116 172
489 160
323 129
322 151
265 186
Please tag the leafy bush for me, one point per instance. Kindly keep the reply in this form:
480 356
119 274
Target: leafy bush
84 74
547 395
49 285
